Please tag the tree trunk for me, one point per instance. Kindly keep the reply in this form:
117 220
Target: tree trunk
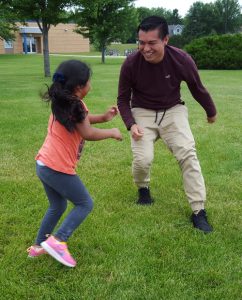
45 32
103 54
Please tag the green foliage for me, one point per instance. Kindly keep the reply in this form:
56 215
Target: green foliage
221 17
105 21
172 17
228 16
217 51
178 41
45 13
144 12
7 30
123 252
7 22
199 20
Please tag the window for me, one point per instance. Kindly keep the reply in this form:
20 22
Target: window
8 45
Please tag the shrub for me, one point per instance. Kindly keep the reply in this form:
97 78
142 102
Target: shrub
178 41
217 52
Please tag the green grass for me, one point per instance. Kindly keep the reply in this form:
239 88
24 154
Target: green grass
123 251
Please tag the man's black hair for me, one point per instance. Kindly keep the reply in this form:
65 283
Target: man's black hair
152 23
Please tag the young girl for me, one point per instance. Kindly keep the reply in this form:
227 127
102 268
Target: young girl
68 128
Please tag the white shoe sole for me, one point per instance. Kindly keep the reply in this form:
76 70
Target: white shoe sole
55 255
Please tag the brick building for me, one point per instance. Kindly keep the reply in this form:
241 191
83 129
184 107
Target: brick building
62 39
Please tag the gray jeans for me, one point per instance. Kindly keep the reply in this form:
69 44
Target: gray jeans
59 187
173 128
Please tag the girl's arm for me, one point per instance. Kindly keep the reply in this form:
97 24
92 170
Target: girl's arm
107 116
90 133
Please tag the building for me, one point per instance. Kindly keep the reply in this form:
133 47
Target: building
175 29
62 39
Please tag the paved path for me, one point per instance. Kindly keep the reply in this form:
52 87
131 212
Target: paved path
92 56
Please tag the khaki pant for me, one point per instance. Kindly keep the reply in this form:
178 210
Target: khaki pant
174 129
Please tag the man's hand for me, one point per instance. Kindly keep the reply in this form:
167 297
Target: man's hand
136 132
212 119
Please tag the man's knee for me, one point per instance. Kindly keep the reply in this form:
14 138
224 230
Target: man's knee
184 152
187 157
143 162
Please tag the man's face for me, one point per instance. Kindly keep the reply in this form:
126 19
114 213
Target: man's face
151 46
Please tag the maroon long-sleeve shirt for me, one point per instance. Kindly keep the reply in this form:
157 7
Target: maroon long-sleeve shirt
157 86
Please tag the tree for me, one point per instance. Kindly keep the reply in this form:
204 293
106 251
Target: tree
7 24
45 13
143 12
220 17
173 17
199 21
105 21
227 13
159 11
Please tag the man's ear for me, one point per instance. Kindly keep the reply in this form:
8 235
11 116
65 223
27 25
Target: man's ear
166 39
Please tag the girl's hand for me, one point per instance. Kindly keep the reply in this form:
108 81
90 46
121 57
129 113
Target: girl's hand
110 113
116 134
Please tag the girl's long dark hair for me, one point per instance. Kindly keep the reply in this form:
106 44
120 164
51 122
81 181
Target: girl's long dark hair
66 107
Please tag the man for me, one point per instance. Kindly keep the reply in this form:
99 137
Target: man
150 104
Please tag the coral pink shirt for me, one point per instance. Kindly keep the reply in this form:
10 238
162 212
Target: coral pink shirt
61 148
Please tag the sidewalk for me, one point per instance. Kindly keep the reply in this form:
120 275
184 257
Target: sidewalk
92 56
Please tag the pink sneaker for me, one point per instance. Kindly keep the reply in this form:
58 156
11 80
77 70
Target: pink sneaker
59 251
35 251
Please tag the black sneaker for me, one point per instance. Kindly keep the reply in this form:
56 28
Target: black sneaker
200 221
144 197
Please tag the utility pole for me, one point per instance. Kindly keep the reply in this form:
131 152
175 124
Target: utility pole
226 17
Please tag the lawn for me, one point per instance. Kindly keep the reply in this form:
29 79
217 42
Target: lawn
123 251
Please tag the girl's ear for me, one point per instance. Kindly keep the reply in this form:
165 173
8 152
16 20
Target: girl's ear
77 91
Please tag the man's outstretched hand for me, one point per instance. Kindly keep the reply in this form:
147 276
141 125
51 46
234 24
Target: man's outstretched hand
212 119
